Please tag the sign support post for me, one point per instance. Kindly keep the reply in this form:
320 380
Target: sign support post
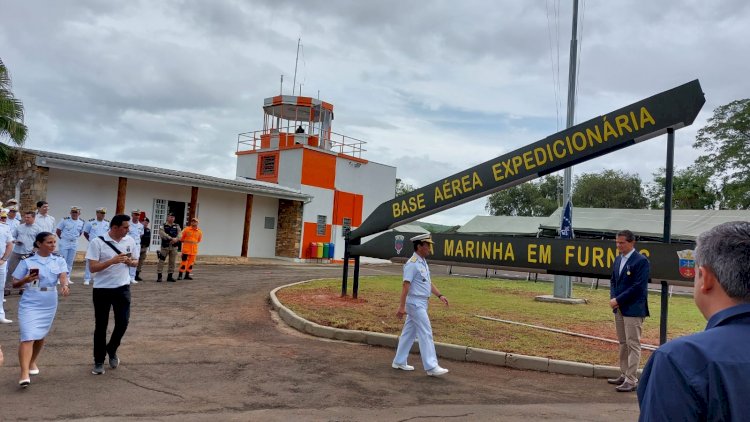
667 232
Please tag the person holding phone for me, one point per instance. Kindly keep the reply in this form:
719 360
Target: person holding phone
38 274
110 257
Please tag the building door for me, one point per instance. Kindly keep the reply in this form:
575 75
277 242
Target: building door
162 207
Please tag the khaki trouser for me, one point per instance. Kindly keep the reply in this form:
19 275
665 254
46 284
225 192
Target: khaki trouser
142 257
629 337
171 253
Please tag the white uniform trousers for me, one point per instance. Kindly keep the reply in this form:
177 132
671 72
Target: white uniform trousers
132 270
87 272
417 325
3 270
69 255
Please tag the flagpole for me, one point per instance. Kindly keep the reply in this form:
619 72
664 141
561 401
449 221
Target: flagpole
563 287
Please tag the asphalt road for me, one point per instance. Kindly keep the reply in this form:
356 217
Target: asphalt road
211 349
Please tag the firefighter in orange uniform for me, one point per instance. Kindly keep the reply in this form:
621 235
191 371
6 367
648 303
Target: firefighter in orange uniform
190 238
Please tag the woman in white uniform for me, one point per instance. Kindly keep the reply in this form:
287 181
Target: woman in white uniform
38 276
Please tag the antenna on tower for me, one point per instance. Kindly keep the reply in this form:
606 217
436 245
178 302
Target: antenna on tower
281 85
296 61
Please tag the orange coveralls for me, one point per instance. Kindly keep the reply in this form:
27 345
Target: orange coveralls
190 238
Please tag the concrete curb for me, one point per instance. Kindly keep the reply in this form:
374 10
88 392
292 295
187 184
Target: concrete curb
444 350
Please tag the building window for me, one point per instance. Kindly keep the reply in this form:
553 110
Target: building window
321 231
268 165
270 223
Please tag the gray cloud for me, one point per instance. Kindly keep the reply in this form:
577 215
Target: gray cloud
433 87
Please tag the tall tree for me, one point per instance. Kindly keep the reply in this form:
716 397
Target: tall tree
11 116
609 189
537 198
402 188
726 139
691 189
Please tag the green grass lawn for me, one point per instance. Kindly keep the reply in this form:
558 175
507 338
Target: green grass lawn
376 306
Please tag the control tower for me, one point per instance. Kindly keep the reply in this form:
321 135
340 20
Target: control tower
297 149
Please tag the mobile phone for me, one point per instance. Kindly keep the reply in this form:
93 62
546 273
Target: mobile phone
129 254
33 271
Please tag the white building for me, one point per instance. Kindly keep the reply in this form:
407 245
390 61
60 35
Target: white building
292 189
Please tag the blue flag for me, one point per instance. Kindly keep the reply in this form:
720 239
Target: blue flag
566 228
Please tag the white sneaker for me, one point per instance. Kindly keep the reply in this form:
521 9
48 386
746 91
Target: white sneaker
5 321
437 371
133 282
403 367
86 282
70 282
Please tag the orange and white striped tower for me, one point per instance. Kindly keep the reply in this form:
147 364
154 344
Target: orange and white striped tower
298 149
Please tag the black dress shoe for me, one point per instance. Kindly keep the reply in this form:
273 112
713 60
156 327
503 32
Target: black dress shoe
626 387
616 381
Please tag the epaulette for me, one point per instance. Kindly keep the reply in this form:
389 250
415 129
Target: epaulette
28 255
56 253
106 220
66 218
92 218
413 259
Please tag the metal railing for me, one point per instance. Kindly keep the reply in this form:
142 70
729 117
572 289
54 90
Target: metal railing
336 142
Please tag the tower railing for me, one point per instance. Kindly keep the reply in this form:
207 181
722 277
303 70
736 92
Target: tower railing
335 142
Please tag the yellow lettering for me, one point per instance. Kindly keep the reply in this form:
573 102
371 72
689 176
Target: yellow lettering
496 172
508 168
420 201
570 146
412 204
645 252
470 249
459 248
622 122
582 145
446 190
598 255
555 145
594 136
497 251
549 153
634 121
476 181
509 255
486 250
438 194
527 160
532 253
448 247
465 183
608 130
646 117
583 259
540 156
396 210
545 254
568 253
516 163
456 186
611 254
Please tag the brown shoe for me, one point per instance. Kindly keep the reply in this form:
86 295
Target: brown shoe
626 387
616 381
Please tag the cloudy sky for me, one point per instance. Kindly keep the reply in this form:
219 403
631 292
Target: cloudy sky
433 86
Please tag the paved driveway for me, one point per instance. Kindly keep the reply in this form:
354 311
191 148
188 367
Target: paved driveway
211 349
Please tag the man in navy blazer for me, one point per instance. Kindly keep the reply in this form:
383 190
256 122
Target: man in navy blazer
628 292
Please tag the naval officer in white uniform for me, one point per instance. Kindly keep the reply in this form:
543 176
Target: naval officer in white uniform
415 295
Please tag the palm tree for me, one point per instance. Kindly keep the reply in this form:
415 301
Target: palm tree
11 116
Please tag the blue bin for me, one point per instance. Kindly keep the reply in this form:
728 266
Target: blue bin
330 250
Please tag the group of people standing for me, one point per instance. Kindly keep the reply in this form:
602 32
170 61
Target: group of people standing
37 264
